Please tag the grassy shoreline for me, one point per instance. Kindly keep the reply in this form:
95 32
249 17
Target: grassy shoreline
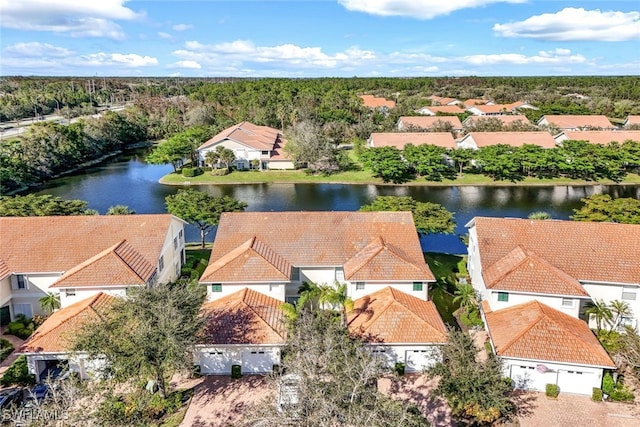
365 178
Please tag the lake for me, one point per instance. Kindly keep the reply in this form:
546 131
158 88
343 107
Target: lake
129 181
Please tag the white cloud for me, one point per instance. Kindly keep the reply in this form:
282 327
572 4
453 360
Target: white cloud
164 35
132 60
37 50
558 56
421 9
78 18
186 64
576 24
182 27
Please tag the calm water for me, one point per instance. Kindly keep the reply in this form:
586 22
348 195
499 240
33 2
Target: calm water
129 181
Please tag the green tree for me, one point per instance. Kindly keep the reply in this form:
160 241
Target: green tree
465 296
601 208
428 217
120 210
42 205
600 311
175 150
462 157
201 209
428 161
336 297
387 163
149 335
499 162
50 302
619 310
211 158
539 215
475 390
306 144
225 156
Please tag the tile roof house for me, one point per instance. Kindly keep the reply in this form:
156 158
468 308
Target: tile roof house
632 120
602 137
576 122
498 109
563 264
428 122
505 119
436 100
251 144
475 140
80 256
400 139
244 328
373 102
540 345
399 327
52 343
476 101
442 109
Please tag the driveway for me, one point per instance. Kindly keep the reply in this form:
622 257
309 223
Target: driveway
220 400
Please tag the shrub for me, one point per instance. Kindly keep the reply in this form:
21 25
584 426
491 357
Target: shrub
191 172
6 348
608 384
399 368
596 394
236 371
220 172
552 390
18 373
21 327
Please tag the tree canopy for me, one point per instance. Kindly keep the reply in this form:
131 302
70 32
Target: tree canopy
428 217
201 209
602 208
42 205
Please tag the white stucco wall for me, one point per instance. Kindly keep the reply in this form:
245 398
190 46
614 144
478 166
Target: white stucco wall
228 355
66 299
171 253
5 290
427 355
467 142
371 287
79 363
612 292
281 165
275 289
550 300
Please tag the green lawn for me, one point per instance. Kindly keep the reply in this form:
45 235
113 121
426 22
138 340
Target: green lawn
446 268
197 260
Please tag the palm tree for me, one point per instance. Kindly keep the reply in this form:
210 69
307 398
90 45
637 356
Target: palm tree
619 310
336 296
600 312
211 158
120 210
539 215
466 297
50 302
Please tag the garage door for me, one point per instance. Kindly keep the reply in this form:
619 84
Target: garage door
417 360
257 362
215 362
578 382
527 377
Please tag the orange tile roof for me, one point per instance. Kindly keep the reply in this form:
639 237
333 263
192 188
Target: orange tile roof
514 139
632 120
447 109
56 334
243 317
372 101
427 122
4 270
58 244
577 121
257 137
472 102
519 270
506 119
391 316
445 101
538 332
400 139
603 136
118 265
586 251
322 239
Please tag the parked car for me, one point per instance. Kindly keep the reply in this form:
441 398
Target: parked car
11 397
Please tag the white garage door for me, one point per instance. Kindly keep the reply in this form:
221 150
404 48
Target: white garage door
527 377
578 382
215 362
417 360
257 362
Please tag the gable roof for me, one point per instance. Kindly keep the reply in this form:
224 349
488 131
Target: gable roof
445 101
506 119
60 243
514 139
372 101
118 265
475 101
56 333
400 139
317 239
632 120
243 317
427 122
536 331
603 136
447 109
392 316
492 109
586 251
577 121
519 270
246 133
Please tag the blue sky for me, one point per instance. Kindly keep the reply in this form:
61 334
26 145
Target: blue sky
304 38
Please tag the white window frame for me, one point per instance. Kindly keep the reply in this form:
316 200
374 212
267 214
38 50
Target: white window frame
629 294
339 274
295 274
70 292
161 263
22 305
359 286
568 303
20 278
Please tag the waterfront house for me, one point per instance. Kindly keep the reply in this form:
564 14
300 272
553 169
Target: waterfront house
400 139
416 123
576 122
602 137
475 140
504 119
441 109
632 120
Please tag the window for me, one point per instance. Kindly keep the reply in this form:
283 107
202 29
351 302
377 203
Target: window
177 269
216 287
359 286
417 286
295 274
161 263
21 282
503 296
175 243
628 294
567 302
70 293
181 236
23 309
265 152
339 274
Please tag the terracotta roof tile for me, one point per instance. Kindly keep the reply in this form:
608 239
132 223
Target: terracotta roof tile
308 239
633 120
506 119
446 109
4 270
445 101
577 121
392 316
55 335
538 332
371 101
257 137
400 139
244 317
586 251
427 122
471 102
603 136
514 139
519 270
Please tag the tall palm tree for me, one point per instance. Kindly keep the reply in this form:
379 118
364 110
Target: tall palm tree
336 296
466 296
211 158
619 310
50 302
600 312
